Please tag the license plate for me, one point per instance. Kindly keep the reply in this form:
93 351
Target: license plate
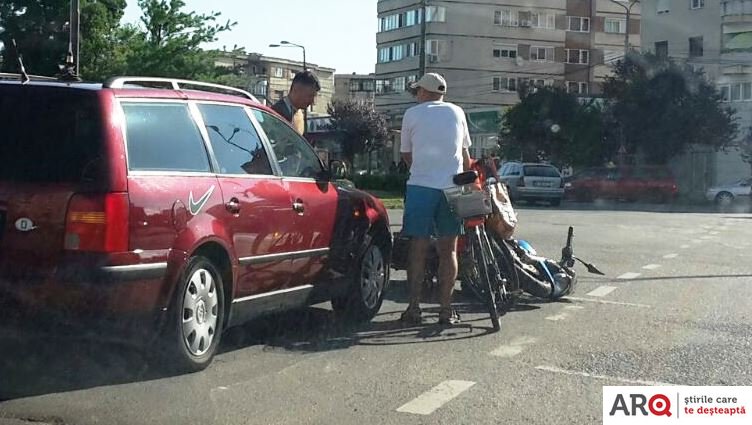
541 184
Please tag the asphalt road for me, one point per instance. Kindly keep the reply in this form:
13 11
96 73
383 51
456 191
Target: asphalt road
673 308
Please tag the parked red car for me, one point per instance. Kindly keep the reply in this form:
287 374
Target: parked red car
174 213
626 183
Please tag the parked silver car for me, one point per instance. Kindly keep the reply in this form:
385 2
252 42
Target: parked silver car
727 194
533 182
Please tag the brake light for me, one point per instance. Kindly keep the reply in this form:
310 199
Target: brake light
97 223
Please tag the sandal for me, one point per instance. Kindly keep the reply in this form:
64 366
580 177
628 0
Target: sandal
412 316
448 317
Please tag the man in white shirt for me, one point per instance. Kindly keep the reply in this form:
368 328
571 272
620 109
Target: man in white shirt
435 142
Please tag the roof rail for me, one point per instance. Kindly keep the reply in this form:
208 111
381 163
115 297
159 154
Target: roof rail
175 84
14 76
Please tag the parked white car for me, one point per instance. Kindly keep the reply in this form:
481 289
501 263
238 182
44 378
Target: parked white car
727 194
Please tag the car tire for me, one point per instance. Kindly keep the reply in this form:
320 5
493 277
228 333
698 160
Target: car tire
195 322
366 290
724 200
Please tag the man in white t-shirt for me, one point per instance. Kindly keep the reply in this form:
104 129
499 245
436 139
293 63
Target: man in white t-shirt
435 142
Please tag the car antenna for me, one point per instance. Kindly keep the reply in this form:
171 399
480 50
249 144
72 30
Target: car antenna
24 76
68 70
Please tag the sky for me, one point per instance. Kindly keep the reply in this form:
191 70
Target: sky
339 34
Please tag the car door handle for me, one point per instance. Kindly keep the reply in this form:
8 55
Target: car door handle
298 207
233 206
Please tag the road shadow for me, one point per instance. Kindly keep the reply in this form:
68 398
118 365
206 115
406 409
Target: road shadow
35 362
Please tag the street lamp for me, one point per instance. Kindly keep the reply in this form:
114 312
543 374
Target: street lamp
288 44
284 43
627 5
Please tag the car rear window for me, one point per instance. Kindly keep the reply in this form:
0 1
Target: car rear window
49 135
541 171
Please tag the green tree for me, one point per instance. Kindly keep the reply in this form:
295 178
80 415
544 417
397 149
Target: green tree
40 30
168 42
359 128
550 124
662 107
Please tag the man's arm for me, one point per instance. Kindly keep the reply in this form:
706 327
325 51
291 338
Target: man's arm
466 159
408 157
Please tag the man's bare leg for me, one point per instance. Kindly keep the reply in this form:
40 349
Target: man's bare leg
448 268
416 269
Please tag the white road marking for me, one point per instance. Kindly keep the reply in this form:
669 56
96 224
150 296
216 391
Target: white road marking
590 300
428 402
574 307
713 233
705 238
604 377
685 247
626 276
652 266
697 241
514 347
601 291
558 317
671 256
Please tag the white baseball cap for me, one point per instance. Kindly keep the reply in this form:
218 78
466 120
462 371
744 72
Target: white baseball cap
432 82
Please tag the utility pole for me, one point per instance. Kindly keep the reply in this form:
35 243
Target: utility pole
423 31
75 34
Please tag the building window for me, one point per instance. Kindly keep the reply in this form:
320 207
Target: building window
579 24
434 50
542 20
616 26
695 47
368 85
436 14
384 54
577 87
398 52
505 52
506 18
278 72
355 85
578 56
398 84
508 84
736 92
661 49
697 4
662 6
541 54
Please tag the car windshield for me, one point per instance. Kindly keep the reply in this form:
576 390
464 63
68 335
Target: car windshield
252 212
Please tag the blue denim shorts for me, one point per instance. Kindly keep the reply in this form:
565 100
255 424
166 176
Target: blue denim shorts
427 214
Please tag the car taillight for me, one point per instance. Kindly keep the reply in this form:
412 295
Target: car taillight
97 223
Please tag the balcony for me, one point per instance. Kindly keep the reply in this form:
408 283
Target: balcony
734 11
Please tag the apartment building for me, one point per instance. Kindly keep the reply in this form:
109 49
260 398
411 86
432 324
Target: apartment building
359 87
487 49
716 36
269 78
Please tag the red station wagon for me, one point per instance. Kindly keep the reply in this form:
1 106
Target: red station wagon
172 211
